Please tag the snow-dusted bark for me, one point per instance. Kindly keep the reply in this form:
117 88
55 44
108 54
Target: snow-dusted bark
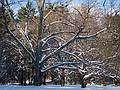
91 36
21 44
38 56
77 36
60 64
13 35
60 48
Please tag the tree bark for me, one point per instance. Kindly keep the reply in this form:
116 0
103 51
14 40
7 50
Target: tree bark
44 79
83 84
38 76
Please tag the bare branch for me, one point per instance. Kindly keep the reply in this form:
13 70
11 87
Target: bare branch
72 23
60 64
13 35
45 17
60 48
56 37
77 58
57 22
67 43
65 67
52 23
91 36
79 13
54 34
20 43
69 53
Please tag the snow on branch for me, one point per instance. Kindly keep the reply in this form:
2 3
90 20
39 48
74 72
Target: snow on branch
52 37
72 68
60 48
77 36
91 36
12 34
72 54
21 44
28 38
56 33
88 75
81 71
60 64
69 53
52 23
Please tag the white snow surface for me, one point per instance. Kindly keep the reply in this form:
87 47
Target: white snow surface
58 87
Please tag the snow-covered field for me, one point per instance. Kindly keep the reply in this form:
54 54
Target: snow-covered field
70 87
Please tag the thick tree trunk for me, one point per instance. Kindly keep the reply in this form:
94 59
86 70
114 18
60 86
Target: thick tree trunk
38 73
44 79
38 66
38 76
83 84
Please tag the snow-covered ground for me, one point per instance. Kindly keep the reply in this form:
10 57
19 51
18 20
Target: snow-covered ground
51 87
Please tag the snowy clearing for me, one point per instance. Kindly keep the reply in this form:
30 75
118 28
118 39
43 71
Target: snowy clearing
57 87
